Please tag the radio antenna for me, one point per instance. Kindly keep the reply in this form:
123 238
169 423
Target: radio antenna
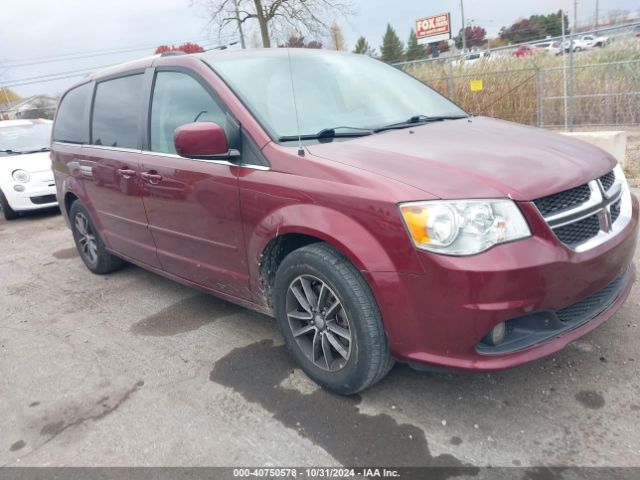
295 104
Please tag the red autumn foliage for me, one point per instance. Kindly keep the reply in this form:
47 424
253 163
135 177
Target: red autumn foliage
188 47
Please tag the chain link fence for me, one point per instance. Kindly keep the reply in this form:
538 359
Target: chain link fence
602 89
606 94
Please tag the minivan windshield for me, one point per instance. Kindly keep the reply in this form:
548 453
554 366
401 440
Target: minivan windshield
26 138
332 91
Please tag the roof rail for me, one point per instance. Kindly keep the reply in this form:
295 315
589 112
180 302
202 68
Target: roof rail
172 53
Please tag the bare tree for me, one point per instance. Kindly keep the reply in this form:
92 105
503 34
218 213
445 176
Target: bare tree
336 38
276 18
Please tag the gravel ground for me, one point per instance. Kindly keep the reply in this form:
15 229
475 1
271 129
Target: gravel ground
133 369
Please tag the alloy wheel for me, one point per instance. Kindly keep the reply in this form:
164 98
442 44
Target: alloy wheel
319 323
86 238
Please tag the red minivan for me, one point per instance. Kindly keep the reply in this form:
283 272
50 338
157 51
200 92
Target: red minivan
371 216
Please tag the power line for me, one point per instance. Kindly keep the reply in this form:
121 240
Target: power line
69 72
72 73
48 80
96 53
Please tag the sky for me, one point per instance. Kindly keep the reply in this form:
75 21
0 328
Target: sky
33 30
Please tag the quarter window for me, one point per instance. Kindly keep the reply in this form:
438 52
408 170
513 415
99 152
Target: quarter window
116 112
71 125
179 99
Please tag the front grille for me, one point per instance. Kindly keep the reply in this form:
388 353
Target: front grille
591 306
558 202
615 211
581 214
578 232
43 199
608 180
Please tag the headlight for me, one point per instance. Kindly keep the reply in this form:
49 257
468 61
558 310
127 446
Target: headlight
21 176
463 227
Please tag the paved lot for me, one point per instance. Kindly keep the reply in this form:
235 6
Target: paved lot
133 369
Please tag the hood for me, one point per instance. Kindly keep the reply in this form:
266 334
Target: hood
474 158
31 162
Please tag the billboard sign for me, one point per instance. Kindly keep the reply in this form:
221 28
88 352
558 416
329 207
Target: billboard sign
433 29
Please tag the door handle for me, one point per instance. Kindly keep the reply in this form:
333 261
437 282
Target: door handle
126 173
152 177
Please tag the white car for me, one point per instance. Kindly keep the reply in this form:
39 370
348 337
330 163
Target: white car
26 179
552 47
472 57
595 40
579 45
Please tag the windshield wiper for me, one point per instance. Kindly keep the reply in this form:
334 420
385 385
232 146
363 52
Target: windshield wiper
418 120
23 152
330 133
43 149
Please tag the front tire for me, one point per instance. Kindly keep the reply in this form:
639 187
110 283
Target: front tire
89 243
330 321
8 212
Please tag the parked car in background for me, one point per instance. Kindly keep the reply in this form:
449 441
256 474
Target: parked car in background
525 50
474 57
551 47
578 45
593 41
636 31
374 218
26 179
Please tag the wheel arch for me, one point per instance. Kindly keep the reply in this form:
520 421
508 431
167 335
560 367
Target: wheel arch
295 226
69 198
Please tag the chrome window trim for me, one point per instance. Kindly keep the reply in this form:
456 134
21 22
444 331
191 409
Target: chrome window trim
115 149
168 155
217 162
68 144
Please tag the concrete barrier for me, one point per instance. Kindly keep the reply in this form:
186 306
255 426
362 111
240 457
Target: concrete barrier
614 143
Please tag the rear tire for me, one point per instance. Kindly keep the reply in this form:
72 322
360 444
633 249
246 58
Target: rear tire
343 348
89 243
9 213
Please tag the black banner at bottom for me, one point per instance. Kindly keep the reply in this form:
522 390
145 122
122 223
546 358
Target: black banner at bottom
288 473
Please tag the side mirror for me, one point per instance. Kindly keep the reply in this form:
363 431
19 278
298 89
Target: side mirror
202 140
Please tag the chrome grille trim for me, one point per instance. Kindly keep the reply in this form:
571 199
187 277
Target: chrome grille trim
601 202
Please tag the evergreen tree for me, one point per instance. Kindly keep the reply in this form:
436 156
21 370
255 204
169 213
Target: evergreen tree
363 47
414 51
392 49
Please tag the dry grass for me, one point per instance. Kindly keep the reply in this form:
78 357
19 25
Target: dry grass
632 163
512 86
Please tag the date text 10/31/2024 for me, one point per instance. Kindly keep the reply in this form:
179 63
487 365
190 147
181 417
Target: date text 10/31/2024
321 472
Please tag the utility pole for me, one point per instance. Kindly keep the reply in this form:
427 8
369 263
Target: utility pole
235 3
571 76
464 30
597 14
564 75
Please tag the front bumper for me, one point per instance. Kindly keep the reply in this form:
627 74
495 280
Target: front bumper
439 317
39 192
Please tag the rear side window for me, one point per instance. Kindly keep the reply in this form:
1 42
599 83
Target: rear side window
179 99
116 112
71 125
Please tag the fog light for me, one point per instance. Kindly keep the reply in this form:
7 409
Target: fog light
495 335
18 188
